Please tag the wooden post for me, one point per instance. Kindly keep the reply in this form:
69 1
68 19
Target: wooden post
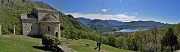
59 33
14 30
0 30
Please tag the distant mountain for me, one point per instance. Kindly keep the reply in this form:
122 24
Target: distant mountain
145 24
114 22
113 25
100 26
111 22
84 20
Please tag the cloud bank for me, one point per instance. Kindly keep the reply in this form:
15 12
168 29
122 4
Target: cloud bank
119 17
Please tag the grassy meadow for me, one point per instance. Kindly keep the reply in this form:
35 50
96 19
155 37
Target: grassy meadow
19 43
80 46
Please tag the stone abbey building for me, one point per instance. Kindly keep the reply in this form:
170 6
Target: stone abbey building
41 22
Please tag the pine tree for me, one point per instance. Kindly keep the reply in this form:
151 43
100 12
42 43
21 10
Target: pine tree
169 39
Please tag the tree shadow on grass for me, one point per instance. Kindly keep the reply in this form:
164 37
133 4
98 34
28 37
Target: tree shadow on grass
36 36
46 49
42 48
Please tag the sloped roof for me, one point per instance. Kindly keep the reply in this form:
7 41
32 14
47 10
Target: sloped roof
28 16
44 10
49 18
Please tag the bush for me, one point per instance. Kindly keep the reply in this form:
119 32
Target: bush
121 42
50 42
111 40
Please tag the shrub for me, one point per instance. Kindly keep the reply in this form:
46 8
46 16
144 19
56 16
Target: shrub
111 40
121 42
50 42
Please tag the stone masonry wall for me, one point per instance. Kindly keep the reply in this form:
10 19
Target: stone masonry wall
53 28
30 27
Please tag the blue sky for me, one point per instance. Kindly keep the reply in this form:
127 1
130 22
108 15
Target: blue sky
166 11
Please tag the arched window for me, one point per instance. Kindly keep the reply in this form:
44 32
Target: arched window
48 28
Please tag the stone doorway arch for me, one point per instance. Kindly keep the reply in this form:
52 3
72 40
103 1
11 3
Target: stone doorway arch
56 34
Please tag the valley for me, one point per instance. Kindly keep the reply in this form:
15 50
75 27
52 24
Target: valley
116 27
89 26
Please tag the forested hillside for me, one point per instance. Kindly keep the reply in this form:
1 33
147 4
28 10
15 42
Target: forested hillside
10 11
143 41
100 26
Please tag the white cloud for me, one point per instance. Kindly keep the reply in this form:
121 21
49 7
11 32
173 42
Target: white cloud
135 13
104 10
119 17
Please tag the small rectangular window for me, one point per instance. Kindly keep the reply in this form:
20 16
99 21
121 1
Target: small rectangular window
48 28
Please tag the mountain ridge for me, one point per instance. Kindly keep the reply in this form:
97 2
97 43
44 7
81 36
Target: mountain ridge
114 25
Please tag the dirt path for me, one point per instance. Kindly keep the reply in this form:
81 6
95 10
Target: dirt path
177 51
66 49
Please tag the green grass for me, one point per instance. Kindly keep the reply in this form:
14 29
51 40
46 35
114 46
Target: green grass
19 43
80 46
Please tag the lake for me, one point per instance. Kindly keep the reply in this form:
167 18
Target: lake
132 29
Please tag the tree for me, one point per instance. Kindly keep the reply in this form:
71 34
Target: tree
72 34
50 42
121 42
111 40
104 40
133 41
154 32
169 39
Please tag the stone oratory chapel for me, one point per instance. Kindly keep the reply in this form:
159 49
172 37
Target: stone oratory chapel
41 22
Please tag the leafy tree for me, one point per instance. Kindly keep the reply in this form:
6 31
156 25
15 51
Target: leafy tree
84 35
169 39
65 33
121 42
51 42
111 40
104 40
154 32
132 43
73 33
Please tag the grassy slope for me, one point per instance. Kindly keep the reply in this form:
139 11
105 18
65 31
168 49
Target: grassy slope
19 43
80 46
10 16
101 26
